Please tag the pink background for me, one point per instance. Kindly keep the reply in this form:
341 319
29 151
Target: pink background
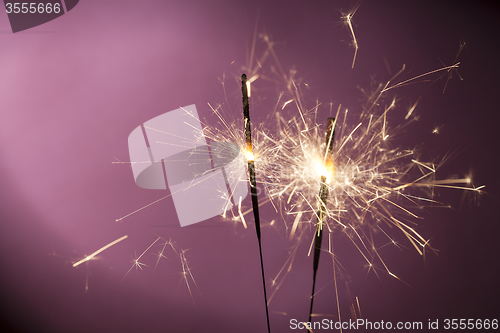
73 89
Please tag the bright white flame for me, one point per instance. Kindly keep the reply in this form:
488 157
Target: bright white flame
249 155
323 170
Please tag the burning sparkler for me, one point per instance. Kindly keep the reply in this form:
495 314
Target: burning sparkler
376 187
253 181
323 195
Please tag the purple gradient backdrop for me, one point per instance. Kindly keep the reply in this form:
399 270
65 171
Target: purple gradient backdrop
73 89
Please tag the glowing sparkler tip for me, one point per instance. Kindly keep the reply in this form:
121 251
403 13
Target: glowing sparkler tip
326 170
249 90
248 154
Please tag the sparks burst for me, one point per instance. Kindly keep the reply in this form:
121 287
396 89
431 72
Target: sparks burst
375 187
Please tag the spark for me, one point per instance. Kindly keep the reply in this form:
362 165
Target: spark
161 253
286 103
186 272
437 129
451 70
241 214
90 257
359 308
406 82
143 207
136 263
412 108
295 224
347 18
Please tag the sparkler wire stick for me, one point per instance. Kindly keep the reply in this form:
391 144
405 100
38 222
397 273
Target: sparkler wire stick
323 195
253 181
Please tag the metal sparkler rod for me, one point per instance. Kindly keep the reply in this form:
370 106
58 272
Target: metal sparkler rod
253 181
323 196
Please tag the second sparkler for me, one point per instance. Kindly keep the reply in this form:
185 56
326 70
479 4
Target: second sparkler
323 195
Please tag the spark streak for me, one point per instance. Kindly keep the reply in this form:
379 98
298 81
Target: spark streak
186 272
136 262
87 258
241 214
348 21
374 185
